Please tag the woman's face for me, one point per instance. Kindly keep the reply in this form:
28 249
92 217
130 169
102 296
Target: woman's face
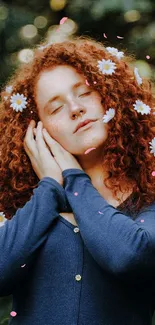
64 100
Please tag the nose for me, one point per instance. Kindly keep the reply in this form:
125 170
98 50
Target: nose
76 109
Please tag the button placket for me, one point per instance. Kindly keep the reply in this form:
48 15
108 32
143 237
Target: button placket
78 277
76 229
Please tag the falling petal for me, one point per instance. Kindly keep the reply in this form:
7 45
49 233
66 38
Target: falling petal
104 35
148 57
88 150
87 83
13 313
153 173
23 265
100 212
62 21
76 193
142 220
120 37
95 82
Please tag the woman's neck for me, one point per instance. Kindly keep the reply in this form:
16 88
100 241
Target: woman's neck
97 176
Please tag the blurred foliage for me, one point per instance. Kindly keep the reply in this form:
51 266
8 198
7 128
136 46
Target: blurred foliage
133 20
5 309
22 28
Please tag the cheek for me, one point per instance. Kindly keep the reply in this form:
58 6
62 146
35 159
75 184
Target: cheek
57 131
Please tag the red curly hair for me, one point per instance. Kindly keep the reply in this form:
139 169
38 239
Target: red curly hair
127 152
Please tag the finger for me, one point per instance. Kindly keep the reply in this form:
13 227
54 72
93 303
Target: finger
42 147
55 147
29 133
29 142
32 125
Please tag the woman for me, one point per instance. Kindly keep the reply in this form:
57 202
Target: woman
79 243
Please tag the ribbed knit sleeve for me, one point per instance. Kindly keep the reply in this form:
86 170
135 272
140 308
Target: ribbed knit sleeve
21 236
117 243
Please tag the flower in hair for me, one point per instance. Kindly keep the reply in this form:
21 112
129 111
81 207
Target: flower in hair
109 115
9 89
113 51
18 102
137 76
152 146
142 108
2 219
106 66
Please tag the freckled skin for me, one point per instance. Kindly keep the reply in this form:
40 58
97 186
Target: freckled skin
59 119
61 123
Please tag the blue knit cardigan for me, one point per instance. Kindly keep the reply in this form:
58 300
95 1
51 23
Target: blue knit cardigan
101 272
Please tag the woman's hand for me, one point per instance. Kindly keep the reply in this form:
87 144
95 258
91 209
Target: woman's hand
64 159
40 156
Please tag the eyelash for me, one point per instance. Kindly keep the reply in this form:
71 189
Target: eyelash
88 92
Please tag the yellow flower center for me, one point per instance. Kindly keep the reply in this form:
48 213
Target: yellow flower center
141 108
18 101
1 219
106 67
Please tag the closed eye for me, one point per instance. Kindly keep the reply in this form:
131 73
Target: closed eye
85 94
57 109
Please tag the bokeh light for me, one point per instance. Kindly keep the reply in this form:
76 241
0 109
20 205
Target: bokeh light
150 30
3 12
57 5
29 31
144 68
69 27
58 33
132 16
40 22
25 55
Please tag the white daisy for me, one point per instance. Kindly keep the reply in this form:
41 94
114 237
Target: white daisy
109 115
138 78
142 108
18 102
115 52
152 146
2 219
106 66
9 89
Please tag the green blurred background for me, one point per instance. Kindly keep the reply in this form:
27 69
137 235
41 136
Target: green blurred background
125 24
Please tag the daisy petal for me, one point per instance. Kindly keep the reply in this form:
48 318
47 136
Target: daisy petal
106 66
109 115
142 108
113 51
18 102
137 76
9 89
152 146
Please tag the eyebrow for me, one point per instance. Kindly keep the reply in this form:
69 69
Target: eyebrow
56 97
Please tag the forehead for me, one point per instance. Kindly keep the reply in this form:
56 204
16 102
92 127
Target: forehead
58 77
55 81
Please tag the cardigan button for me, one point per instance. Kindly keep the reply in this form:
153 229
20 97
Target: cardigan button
78 277
76 229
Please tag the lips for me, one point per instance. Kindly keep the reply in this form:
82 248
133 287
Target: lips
82 124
